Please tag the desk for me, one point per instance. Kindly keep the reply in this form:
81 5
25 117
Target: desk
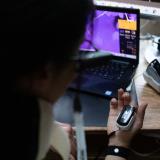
99 107
145 93
151 121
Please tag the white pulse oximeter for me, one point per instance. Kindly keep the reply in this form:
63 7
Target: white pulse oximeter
126 118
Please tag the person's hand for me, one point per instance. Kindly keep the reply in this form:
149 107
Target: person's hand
123 138
71 134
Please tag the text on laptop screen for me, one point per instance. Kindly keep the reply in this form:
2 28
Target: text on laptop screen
114 32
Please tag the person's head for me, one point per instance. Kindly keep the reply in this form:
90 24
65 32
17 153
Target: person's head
41 38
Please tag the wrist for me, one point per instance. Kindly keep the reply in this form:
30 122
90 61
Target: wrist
115 141
118 151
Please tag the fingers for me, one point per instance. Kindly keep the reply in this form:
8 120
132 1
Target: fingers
123 98
71 135
113 106
112 115
72 139
114 103
67 128
72 157
126 98
73 147
140 117
120 98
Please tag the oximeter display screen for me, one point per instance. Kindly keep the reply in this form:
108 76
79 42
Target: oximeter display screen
126 115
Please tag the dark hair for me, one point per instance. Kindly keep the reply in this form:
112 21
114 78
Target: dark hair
36 32
41 31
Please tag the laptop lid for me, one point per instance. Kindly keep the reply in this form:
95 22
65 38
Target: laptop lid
114 30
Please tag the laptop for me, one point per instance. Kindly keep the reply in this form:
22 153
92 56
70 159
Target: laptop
114 31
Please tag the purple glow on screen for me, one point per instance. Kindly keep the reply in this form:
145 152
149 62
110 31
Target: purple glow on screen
105 31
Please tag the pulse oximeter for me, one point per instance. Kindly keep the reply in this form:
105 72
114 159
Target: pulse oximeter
126 118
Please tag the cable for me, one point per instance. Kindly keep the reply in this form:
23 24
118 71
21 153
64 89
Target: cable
78 118
148 36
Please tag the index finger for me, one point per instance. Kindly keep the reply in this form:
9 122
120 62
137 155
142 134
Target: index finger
113 107
120 98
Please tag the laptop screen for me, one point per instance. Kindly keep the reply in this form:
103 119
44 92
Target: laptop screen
114 31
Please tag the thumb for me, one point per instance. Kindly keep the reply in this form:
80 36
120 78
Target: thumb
140 117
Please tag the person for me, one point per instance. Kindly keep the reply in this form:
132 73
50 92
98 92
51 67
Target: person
40 39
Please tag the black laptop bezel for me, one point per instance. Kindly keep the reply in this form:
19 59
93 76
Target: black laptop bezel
134 11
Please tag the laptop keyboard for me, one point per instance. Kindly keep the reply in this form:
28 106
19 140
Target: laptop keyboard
113 70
